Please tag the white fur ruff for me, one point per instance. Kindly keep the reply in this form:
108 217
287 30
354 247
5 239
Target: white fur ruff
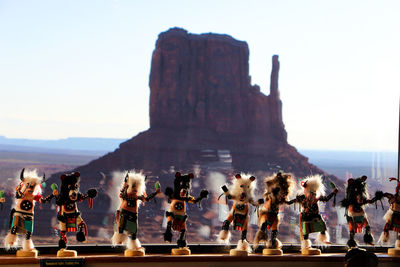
134 244
118 239
10 241
244 245
384 238
258 239
27 245
224 236
323 239
305 244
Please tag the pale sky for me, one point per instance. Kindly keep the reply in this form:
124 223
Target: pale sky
81 68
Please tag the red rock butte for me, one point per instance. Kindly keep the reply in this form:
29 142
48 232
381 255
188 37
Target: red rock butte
201 100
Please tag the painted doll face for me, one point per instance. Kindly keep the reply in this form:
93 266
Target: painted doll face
243 187
131 187
30 183
70 185
357 189
73 191
183 184
282 187
29 188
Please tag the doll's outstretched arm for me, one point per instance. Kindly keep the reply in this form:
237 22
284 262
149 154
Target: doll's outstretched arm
152 195
328 197
226 192
256 203
203 194
378 196
46 199
389 196
91 193
298 199
53 194
2 199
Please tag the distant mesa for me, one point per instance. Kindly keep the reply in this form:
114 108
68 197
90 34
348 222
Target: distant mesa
202 102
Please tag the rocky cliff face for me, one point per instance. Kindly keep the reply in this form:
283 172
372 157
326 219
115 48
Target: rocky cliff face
202 99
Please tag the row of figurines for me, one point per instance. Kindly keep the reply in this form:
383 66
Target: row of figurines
278 188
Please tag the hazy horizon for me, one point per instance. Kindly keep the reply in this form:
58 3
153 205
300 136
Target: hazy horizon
14 141
73 68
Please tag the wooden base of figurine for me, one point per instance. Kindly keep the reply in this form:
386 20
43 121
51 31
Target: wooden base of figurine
67 253
310 251
272 251
238 252
394 251
134 252
27 253
180 251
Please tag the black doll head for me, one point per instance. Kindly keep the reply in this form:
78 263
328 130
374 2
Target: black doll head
182 185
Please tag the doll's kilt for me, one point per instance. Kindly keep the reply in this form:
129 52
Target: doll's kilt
239 221
71 222
271 218
311 223
22 221
395 222
356 222
178 222
126 221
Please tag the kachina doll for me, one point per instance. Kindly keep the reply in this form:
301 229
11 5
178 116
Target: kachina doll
392 218
310 218
176 215
278 189
242 194
68 214
132 194
28 191
356 198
